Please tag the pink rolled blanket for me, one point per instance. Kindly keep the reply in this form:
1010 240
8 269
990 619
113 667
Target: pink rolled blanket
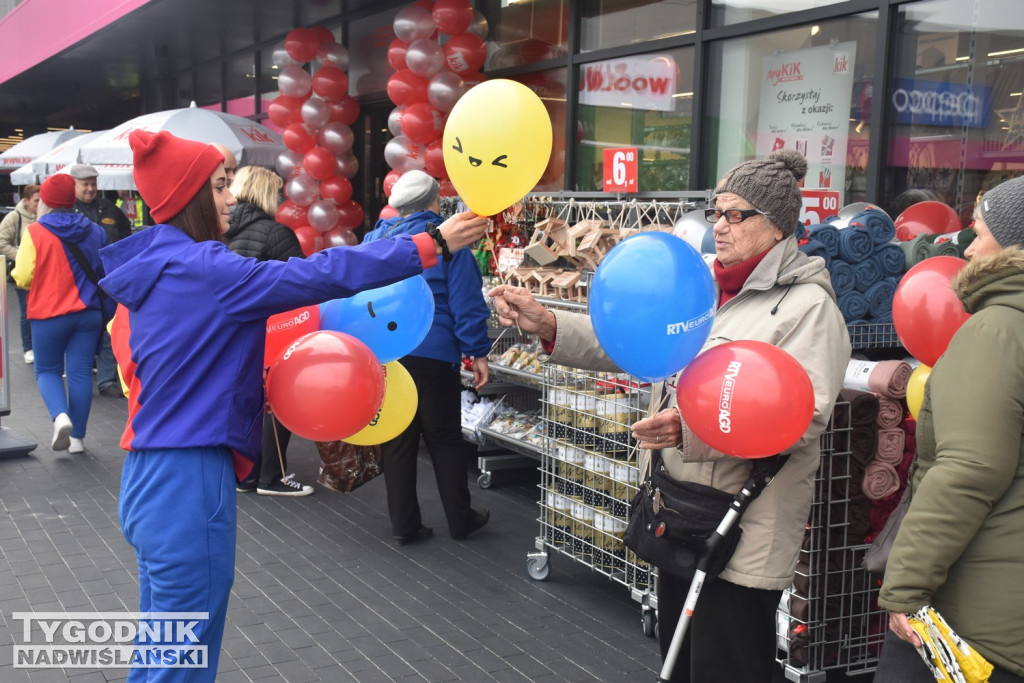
890 413
888 377
890 446
880 480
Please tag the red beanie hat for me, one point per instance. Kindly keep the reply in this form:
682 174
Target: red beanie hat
170 171
58 191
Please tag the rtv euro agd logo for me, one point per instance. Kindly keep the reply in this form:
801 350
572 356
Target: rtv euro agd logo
116 640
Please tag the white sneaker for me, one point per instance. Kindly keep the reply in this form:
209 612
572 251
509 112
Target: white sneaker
30 357
61 433
76 446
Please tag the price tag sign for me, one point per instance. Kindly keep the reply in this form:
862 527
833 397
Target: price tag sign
620 170
818 205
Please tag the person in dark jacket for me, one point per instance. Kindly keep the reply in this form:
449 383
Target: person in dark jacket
256 234
188 337
105 214
459 329
63 306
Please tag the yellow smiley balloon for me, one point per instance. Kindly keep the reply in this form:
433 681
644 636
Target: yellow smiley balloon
396 412
496 144
915 388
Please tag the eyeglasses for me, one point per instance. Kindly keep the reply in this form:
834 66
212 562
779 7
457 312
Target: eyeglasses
732 216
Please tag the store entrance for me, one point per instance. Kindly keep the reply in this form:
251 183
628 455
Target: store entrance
371 138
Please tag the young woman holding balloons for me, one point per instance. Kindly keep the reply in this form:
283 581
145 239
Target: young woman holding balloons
765 290
188 337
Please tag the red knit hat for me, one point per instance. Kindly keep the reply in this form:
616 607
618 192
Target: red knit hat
58 191
170 171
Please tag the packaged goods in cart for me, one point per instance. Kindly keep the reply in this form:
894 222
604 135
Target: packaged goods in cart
602 556
638 572
624 483
594 478
582 529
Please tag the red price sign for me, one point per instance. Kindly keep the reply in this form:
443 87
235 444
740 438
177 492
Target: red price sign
818 205
620 170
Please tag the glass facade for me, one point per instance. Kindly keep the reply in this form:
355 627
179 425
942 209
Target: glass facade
611 23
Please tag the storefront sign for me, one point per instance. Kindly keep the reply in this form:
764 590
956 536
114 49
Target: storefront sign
805 105
646 82
620 170
937 103
819 205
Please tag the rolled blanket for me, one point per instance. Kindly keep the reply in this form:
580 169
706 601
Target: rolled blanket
855 245
815 248
853 304
863 444
890 446
880 480
841 273
826 234
876 223
903 469
909 427
879 297
880 511
864 406
801 232
945 249
890 413
888 377
891 259
915 251
865 274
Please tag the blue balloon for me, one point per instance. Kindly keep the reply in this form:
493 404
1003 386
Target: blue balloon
652 302
707 244
391 320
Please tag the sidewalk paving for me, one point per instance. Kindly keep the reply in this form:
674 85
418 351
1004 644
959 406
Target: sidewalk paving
320 592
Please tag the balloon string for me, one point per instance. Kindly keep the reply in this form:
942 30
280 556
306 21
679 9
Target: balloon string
489 245
277 440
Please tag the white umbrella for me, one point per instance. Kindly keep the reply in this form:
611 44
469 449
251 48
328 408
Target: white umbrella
252 143
61 158
30 149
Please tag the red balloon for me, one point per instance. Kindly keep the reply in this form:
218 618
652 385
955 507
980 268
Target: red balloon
284 328
323 35
433 160
389 181
318 373
465 53
337 188
929 217
291 214
926 312
320 163
330 82
388 212
452 16
298 138
396 54
301 44
425 4
285 110
746 398
350 215
310 239
345 110
405 87
422 123
446 188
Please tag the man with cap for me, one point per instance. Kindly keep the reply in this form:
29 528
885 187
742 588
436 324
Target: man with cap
459 330
104 213
953 551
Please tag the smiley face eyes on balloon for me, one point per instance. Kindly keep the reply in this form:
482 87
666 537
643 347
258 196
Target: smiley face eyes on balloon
392 325
474 162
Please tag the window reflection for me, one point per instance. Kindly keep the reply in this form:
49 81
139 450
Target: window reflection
610 23
525 33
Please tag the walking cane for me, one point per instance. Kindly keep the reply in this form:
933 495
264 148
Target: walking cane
761 474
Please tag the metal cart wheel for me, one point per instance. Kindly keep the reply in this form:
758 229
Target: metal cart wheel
650 623
538 568
484 480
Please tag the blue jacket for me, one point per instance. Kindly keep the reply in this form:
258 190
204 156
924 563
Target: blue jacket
191 324
460 312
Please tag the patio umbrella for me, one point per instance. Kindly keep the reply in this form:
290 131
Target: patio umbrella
252 143
64 154
32 148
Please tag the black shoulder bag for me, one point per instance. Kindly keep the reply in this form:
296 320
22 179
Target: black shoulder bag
107 305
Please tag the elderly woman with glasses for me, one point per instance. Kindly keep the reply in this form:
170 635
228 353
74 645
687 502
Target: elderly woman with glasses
768 291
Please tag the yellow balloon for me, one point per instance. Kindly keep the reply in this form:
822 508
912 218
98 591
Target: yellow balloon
497 142
396 412
915 388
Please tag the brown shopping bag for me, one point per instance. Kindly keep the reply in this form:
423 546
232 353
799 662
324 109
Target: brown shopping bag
346 467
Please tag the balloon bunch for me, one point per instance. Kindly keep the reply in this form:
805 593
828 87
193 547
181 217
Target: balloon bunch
429 79
315 113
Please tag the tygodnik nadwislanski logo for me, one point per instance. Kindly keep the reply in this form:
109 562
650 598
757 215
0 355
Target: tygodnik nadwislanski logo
115 640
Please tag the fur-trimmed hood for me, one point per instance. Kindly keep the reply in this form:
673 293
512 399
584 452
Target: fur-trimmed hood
997 279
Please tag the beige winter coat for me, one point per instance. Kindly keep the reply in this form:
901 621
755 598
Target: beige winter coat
9 228
787 301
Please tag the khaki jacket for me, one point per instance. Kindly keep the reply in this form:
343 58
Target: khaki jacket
787 301
959 548
9 237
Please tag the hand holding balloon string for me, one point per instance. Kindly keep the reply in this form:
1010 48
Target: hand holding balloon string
462 230
517 306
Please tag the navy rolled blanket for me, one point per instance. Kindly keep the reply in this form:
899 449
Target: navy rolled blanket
876 223
855 245
891 260
865 274
827 235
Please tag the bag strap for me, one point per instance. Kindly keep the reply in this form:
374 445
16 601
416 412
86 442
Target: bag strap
17 231
90 274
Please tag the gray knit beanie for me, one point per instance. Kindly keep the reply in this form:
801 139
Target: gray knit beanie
1002 209
771 186
413 191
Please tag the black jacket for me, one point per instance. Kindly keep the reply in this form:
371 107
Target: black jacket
105 214
253 232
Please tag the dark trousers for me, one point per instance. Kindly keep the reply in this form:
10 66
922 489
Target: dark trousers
438 420
731 637
268 467
26 327
900 663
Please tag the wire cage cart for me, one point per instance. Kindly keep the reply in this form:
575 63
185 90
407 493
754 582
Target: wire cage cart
830 618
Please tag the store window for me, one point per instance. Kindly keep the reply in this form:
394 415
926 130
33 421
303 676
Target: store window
726 12
807 88
525 32
208 86
240 85
611 23
643 101
957 103
185 91
368 53
550 87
